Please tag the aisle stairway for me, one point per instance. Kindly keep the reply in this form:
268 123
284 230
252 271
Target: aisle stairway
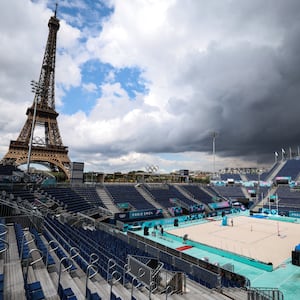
106 199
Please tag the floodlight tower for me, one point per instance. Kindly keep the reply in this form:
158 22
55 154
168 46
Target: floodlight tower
214 136
258 186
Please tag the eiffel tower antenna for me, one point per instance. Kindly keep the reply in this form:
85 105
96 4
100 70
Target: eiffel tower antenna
56 5
49 149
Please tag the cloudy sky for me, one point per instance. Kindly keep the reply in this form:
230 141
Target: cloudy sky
146 82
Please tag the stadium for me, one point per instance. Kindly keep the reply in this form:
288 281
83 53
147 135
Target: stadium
112 240
150 237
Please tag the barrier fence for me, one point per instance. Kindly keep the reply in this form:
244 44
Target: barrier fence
209 275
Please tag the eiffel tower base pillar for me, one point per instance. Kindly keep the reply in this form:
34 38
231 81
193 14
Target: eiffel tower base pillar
50 156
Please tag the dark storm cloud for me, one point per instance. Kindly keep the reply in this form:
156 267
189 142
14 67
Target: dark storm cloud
247 91
251 98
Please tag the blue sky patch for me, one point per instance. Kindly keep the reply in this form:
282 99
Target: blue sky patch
131 81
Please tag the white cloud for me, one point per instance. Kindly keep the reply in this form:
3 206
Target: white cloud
68 37
89 87
68 71
110 76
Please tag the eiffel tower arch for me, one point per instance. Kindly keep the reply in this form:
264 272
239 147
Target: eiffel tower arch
42 118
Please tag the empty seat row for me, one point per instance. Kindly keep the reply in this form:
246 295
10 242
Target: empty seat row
66 294
1 286
21 242
34 291
47 258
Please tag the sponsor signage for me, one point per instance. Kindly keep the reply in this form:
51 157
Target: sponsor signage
140 214
216 205
294 214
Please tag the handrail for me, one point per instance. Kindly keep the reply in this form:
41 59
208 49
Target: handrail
6 229
33 262
51 250
118 278
169 291
111 264
94 258
76 252
152 284
266 292
141 273
126 271
65 269
26 243
5 248
132 285
94 269
158 269
88 276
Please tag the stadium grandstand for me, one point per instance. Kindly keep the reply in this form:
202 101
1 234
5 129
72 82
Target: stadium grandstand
234 238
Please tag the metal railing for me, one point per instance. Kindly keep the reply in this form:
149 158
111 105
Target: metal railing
262 293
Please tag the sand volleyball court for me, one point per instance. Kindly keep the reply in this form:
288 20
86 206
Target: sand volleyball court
264 240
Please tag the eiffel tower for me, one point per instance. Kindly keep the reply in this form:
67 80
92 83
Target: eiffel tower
48 150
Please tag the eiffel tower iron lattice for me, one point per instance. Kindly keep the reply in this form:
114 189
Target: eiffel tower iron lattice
49 149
